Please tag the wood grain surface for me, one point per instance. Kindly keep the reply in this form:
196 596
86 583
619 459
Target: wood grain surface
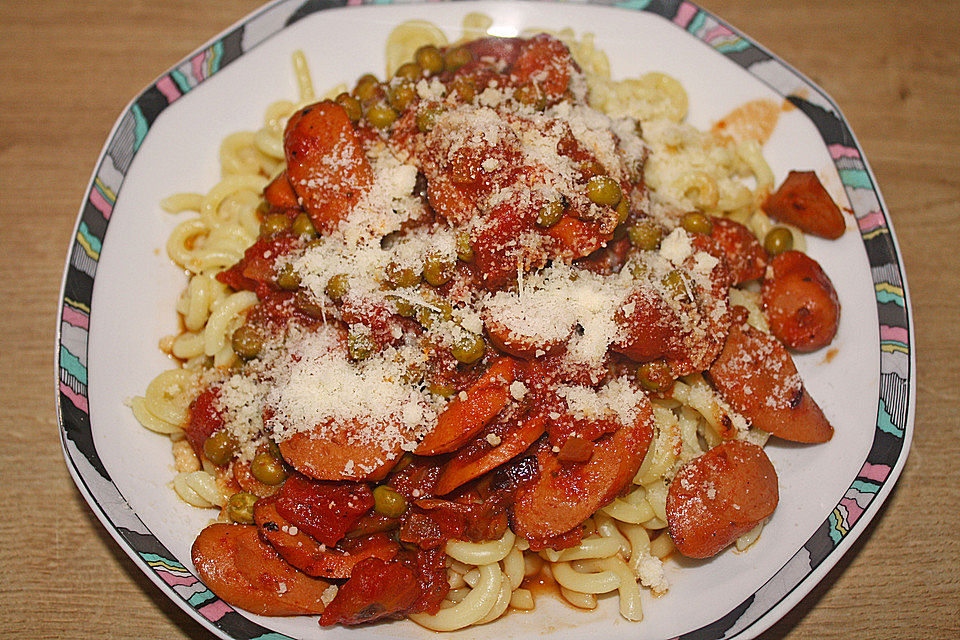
68 69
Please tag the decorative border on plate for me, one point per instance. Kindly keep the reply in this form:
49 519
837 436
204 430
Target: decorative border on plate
893 411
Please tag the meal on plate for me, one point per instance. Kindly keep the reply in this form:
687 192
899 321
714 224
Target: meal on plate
496 320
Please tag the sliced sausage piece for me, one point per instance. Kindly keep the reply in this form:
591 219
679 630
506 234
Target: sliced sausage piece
744 254
755 374
338 457
567 494
308 555
524 345
803 202
480 456
280 193
547 61
376 590
685 325
503 50
243 570
800 301
463 419
650 330
718 497
575 238
326 164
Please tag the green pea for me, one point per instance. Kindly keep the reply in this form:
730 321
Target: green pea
360 345
387 502
412 373
442 389
674 283
439 310
653 376
274 223
465 89
337 287
464 248
455 58
623 211
696 222
778 240
351 105
645 235
468 348
530 95
288 278
603 190
402 96
247 341
427 117
437 270
368 87
274 449
268 469
405 308
304 301
303 226
381 115
429 58
639 269
550 214
409 71
240 507
401 277
220 447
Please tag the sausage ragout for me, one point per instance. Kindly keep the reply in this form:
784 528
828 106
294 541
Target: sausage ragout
464 310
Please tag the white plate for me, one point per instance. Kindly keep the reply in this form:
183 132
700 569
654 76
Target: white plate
167 141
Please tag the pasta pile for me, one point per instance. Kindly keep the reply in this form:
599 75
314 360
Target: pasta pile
720 172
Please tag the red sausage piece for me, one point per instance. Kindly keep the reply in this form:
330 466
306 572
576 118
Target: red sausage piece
567 494
243 570
756 375
718 497
463 419
326 165
803 202
800 302
745 257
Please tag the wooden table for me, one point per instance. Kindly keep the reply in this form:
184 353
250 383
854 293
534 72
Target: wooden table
69 68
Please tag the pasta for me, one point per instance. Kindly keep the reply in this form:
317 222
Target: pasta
279 344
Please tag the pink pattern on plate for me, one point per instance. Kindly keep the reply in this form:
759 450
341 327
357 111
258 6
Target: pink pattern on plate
685 14
78 401
871 221
838 151
875 472
175 579
853 510
893 333
197 65
168 88
215 610
75 318
100 203
717 33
